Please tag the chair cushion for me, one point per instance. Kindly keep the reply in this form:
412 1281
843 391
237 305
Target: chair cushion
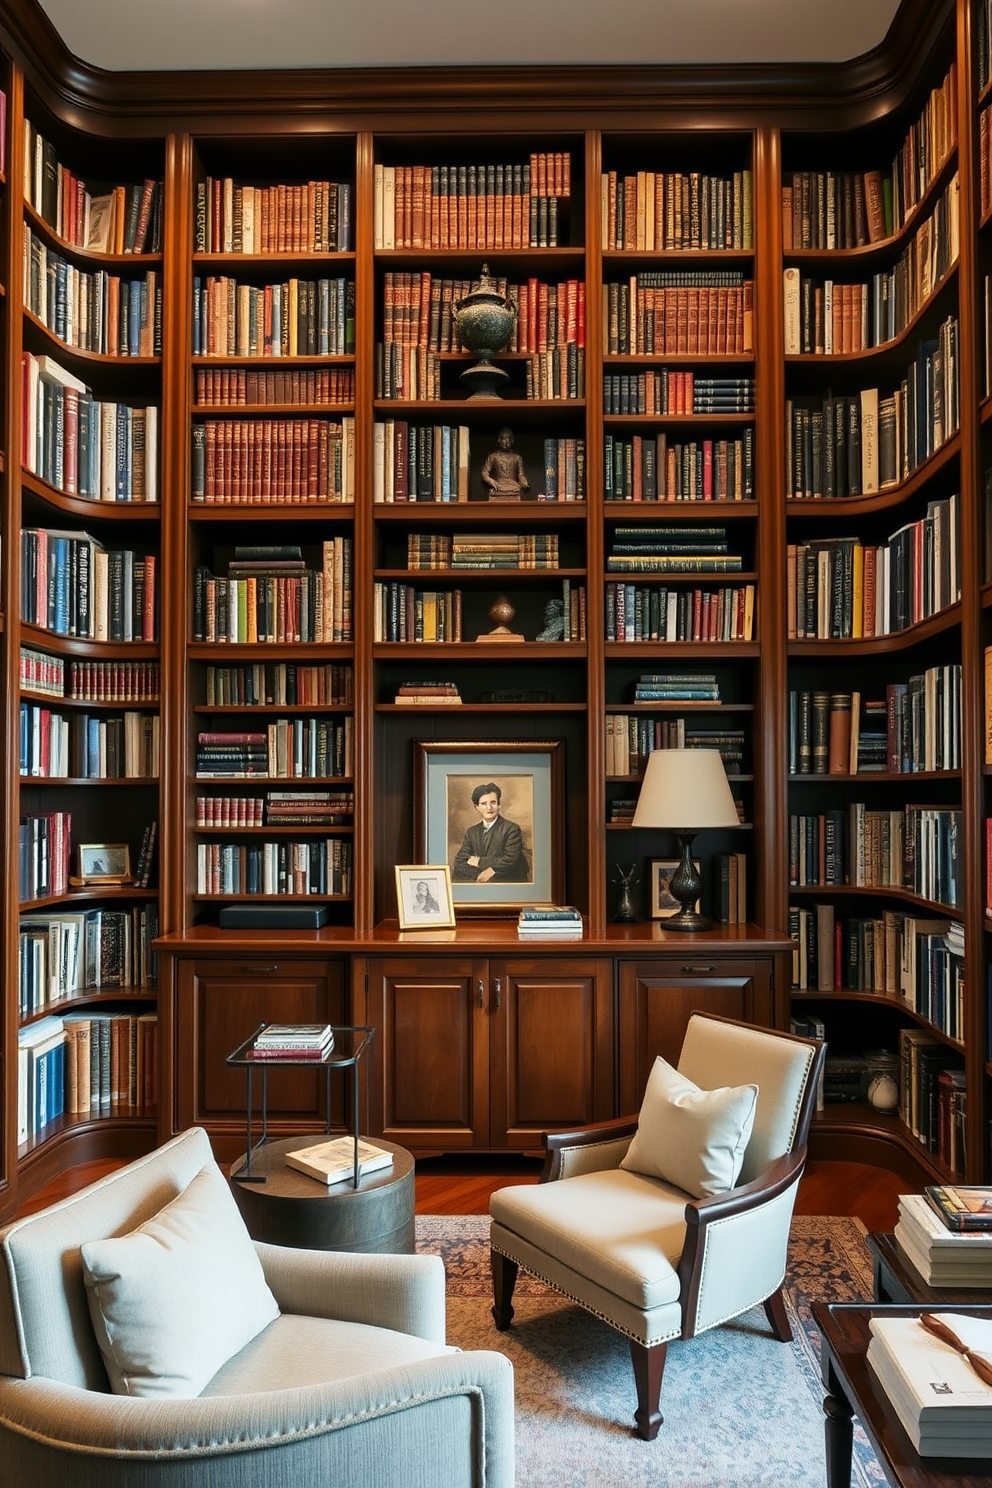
692 1138
176 1298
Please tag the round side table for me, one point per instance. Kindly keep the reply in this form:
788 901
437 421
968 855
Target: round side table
292 1209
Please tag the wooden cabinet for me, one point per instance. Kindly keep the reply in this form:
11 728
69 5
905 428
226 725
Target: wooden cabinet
657 997
478 1052
218 1002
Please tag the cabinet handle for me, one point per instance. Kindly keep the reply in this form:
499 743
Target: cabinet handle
497 990
698 970
480 992
257 970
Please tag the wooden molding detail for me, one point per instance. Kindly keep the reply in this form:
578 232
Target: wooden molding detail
841 95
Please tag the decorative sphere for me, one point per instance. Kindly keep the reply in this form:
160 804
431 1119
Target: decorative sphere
883 1094
501 612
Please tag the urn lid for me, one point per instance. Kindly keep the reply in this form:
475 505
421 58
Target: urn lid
483 292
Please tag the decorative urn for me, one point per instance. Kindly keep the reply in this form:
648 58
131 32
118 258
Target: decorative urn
484 320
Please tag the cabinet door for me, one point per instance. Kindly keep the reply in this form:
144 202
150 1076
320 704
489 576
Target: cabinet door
658 996
551 1064
218 1004
431 1052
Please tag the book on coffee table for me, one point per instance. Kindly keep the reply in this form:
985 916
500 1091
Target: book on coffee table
962 1206
334 1160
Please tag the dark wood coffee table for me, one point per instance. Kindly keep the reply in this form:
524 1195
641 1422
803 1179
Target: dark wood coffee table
852 1390
897 1280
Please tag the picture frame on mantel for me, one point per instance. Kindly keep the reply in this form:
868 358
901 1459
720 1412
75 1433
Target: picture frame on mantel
525 863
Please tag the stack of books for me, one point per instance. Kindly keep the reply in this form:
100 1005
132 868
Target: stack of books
293 1041
429 693
550 922
937 1392
943 1256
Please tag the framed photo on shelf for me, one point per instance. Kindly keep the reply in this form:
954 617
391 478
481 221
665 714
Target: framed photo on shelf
663 904
423 896
494 812
104 863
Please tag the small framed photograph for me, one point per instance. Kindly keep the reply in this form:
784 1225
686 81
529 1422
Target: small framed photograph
423 896
663 904
104 862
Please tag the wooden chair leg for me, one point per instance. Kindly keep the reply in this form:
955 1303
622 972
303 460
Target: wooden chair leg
649 1366
504 1280
778 1317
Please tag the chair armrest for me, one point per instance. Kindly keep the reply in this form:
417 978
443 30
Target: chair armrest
738 1218
402 1292
589 1149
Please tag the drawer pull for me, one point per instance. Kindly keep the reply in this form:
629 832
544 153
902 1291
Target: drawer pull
480 992
498 991
698 970
258 970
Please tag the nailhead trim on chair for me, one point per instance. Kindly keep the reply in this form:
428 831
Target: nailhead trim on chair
617 1327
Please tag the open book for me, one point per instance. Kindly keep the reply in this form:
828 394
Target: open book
330 1162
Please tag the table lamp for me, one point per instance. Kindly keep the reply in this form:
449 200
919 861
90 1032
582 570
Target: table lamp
685 791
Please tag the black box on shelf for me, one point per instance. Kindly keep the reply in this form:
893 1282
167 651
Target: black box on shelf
273 916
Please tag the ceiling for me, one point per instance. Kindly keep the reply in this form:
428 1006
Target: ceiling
129 35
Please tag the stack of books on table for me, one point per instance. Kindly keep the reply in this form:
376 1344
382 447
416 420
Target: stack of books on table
941 1399
550 922
293 1041
943 1257
334 1160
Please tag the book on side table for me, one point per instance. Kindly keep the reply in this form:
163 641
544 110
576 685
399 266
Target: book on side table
944 1404
943 1257
334 1160
963 1207
293 1041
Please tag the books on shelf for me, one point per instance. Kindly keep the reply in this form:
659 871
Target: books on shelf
962 1207
944 1405
549 922
427 694
332 1161
943 1257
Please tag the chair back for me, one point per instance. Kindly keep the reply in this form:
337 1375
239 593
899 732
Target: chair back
719 1051
45 1326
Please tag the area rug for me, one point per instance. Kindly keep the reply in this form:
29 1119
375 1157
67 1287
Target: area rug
741 1410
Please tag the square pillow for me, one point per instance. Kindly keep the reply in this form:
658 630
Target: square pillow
692 1138
179 1296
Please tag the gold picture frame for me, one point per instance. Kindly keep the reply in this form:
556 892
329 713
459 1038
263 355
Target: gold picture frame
103 863
423 896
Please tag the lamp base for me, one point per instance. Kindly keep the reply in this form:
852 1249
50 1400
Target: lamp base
687 919
684 885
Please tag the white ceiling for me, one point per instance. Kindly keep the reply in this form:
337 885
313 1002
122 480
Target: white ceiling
126 35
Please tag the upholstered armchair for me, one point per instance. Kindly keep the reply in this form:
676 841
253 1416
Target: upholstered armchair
347 1379
678 1220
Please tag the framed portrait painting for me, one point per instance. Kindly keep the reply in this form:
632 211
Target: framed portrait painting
494 812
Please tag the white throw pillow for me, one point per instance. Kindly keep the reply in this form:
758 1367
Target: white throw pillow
179 1296
692 1138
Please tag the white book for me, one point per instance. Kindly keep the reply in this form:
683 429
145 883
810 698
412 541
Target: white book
332 1161
933 1438
939 1272
937 1379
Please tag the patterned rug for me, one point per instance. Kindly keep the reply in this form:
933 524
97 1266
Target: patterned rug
740 1409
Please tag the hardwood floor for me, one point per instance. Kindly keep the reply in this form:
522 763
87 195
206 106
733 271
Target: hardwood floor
462 1185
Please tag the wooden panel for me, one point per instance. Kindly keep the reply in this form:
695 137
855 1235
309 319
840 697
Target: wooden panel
657 999
432 1050
552 1055
218 1005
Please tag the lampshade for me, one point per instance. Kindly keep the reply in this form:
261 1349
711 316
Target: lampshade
685 790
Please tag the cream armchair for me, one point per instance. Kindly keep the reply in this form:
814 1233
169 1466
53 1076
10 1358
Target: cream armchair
641 1252
350 1384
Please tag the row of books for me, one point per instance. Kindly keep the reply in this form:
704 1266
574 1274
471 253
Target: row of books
650 468
516 204
671 549
556 374
661 392
238 387
89 309
867 442
43 849
655 211
87 746
297 317
915 848
267 461
275 868
404 613
426 550
245 607
127 219
824 317
630 738
89 681
924 1059
418 309
914 959
915 726
650 612
83 445
64 952
838 209
277 808
71 585
86 1065
281 684
673 687
288 747
303 217
679 313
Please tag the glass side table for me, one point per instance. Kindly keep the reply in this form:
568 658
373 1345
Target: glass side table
350 1045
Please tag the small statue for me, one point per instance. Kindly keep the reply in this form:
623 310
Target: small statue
554 621
626 910
503 475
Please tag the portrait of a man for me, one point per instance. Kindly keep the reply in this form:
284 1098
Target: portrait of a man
492 849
